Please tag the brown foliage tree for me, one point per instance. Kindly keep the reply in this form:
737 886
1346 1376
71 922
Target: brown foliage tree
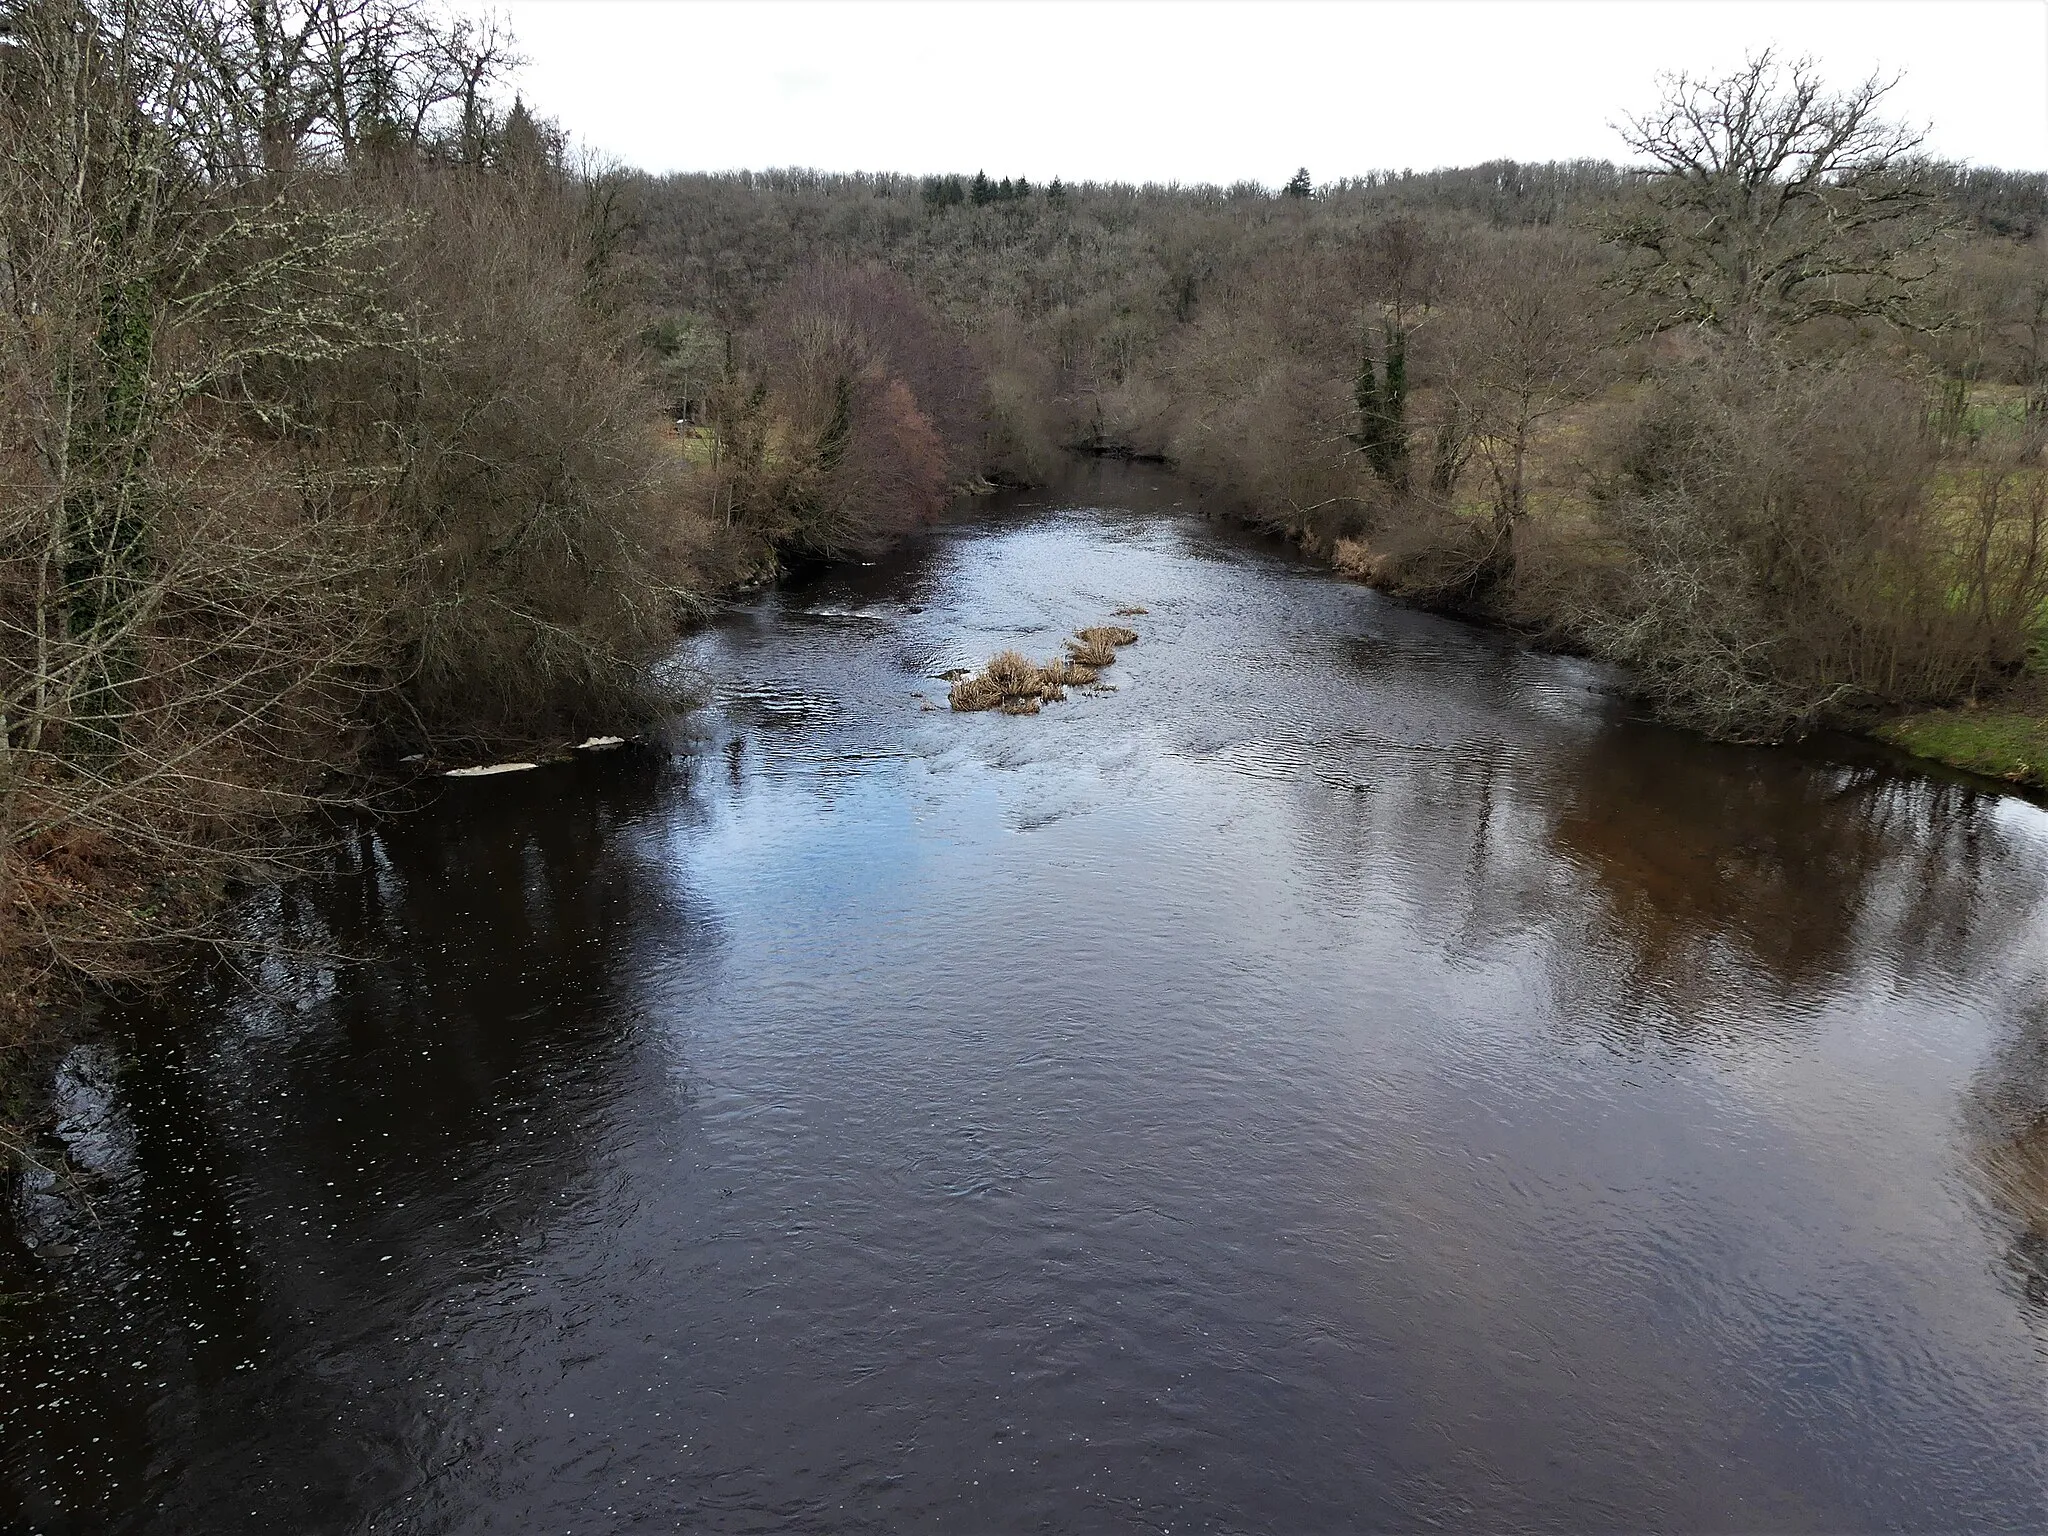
294 449
864 410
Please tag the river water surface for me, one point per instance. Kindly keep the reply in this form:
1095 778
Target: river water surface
1350 1076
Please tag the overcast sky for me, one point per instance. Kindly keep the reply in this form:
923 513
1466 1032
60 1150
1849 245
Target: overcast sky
1192 90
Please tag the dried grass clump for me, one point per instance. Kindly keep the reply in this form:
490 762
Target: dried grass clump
1096 645
1014 674
1016 685
972 693
1361 562
1012 683
1107 634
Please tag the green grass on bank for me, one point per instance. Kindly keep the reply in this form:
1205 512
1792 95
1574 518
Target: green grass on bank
2001 743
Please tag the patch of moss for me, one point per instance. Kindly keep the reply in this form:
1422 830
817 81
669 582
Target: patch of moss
1999 743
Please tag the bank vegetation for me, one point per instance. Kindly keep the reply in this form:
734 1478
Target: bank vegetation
324 437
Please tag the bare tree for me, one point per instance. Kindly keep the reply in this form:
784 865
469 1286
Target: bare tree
1532 338
876 405
251 483
1399 263
263 87
1772 202
1790 552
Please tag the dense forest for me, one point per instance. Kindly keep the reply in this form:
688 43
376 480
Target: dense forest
348 417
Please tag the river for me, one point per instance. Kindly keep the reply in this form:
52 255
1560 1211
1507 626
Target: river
1353 1074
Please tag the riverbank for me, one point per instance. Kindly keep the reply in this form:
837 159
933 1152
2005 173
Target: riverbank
2003 738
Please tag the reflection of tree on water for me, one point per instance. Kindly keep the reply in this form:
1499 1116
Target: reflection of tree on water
1716 860
1707 879
1704 873
1468 826
2005 1121
357 1140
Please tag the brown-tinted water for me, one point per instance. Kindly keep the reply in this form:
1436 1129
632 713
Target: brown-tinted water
1351 1076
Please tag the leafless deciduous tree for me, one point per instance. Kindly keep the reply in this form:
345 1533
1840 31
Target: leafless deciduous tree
1533 337
1787 554
309 436
263 87
1773 201
857 410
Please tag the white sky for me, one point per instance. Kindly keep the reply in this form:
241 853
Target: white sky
1217 91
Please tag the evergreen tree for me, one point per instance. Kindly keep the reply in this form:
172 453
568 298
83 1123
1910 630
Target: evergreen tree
522 146
1382 397
982 191
1299 185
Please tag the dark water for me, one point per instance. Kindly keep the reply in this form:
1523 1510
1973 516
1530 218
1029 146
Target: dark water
1351 1076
